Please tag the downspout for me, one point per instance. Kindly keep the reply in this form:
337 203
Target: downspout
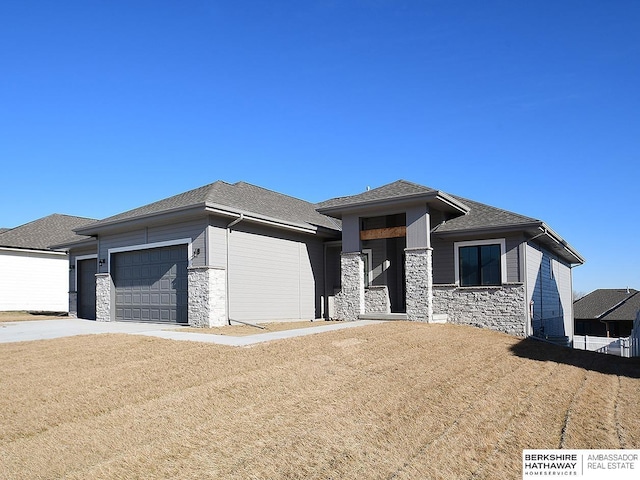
228 230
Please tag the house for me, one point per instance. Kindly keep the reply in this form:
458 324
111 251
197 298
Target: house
225 252
606 312
34 276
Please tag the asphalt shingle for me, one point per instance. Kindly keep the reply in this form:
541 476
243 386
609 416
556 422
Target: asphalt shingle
42 233
239 197
596 304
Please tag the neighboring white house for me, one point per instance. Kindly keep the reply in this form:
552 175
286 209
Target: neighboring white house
33 276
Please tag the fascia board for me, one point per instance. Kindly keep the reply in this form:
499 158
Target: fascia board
558 239
87 242
94 229
33 250
486 230
257 218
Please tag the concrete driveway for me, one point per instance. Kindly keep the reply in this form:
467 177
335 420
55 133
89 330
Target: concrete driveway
47 329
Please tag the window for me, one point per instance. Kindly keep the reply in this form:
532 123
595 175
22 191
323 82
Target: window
480 263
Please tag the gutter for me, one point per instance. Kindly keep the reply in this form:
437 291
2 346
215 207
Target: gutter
263 219
33 250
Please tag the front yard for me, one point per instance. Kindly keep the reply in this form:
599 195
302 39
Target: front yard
396 400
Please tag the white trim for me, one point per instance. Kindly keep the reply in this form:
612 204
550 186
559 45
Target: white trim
75 267
369 254
146 246
472 243
33 250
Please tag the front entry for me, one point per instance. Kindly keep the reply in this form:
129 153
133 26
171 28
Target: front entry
385 238
86 278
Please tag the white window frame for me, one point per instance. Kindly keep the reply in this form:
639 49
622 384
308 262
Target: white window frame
146 246
474 243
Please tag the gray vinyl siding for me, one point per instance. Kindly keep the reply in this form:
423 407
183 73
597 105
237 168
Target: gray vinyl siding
274 275
195 230
549 285
444 258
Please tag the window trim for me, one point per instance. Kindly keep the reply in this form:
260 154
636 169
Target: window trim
368 272
474 243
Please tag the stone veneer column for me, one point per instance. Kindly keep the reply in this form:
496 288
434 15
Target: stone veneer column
73 304
419 283
103 297
207 287
350 299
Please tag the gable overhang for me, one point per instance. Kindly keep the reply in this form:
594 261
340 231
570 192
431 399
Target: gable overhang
437 199
194 211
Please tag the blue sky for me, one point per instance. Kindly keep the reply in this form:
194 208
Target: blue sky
529 106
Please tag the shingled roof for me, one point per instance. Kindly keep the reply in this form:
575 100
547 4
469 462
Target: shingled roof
608 304
41 234
240 197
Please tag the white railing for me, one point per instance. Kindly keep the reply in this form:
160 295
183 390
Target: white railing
612 346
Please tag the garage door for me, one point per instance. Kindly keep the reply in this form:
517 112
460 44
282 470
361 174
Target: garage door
86 275
151 285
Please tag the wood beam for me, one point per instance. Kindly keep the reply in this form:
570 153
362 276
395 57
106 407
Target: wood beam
378 233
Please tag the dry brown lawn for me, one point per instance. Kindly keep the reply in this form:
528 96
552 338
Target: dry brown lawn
391 401
245 330
22 316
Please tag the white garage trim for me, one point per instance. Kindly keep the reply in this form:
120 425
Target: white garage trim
146 246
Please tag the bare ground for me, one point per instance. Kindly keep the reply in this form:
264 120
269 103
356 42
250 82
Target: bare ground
397 400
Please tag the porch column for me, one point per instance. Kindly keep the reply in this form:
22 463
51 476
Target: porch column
103 297
419 265
207 296
419 283
349 302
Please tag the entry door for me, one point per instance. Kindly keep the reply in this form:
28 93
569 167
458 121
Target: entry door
86 277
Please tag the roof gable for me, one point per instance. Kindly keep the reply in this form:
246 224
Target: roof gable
400 192
240 197
482 216
41 234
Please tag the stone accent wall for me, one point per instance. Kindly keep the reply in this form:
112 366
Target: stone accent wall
103 297
498 308
349 302
207 296
73 304
419 284
376 299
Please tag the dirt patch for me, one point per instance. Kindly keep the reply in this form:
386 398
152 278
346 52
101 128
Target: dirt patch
244 330
22 316
393 400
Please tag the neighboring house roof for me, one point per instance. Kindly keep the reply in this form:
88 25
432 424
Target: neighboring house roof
2 230
608 304
230 199
41 234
